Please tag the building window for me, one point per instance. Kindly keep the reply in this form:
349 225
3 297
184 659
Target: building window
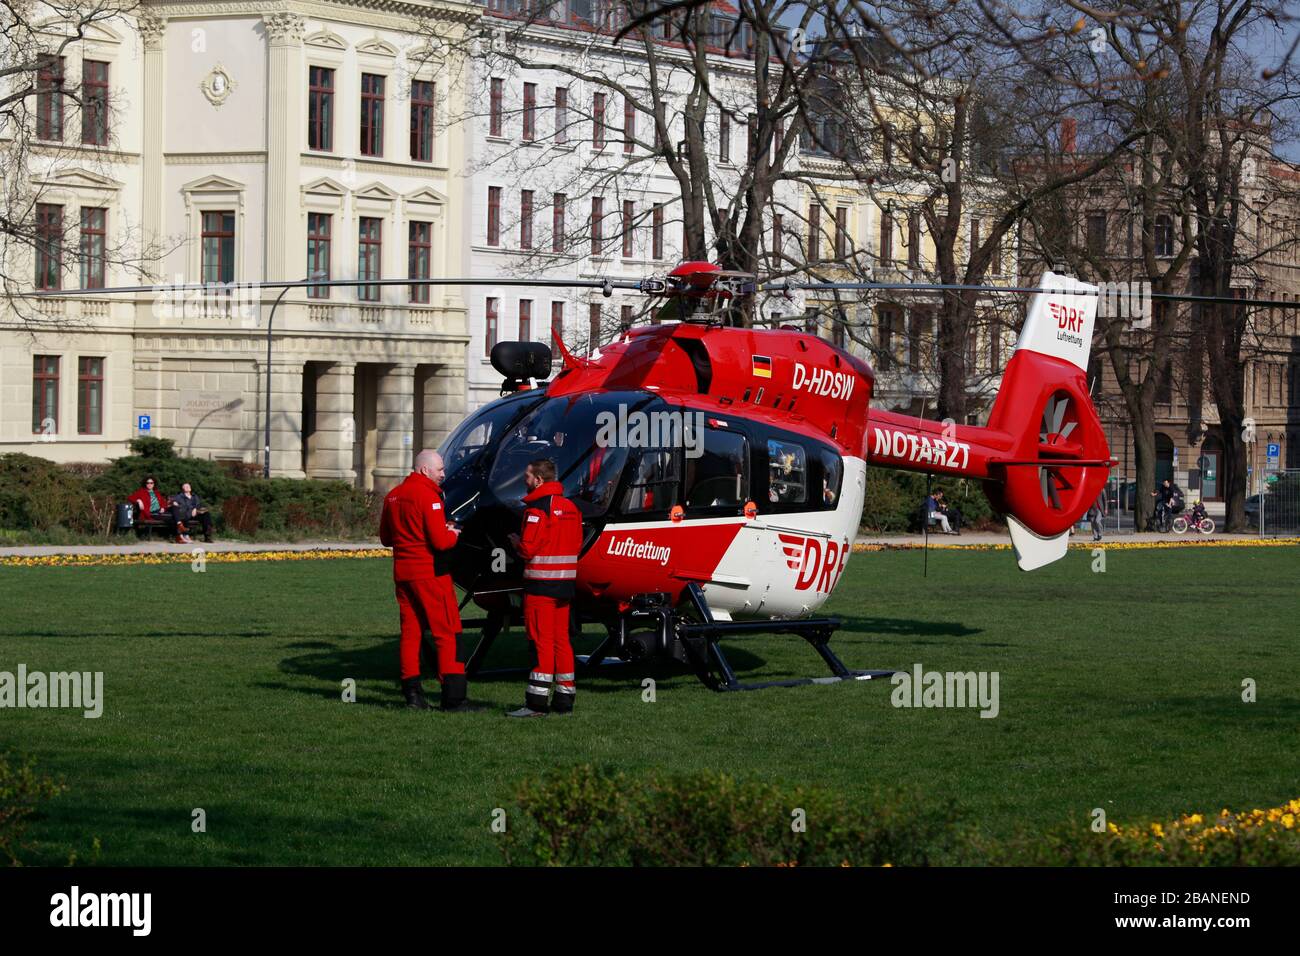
557 321
372 115
913 239
422 105
530 112
629 124
629 235
419 258
218 247
49 246
887 238
495 120
49 98
593 326
841 232
657 232
597 214
1164 236
598 121
369 249
45 394
94 108
494 216
557 222
974 239
320 108
814 233
561 114
525 320
526 219
625 316
490 328
94 236
318 252
90 396
1096 237
724 137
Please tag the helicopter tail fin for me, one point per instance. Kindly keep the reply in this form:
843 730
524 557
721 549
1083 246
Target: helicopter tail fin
1060 459
1043 456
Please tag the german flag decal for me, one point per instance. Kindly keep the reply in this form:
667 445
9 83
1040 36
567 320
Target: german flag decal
762 366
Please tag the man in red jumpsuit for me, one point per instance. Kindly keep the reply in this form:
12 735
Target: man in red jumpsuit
549 545
414 525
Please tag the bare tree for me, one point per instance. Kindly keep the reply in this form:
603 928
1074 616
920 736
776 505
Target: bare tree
47 119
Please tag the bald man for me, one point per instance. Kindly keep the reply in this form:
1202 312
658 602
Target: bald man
414 525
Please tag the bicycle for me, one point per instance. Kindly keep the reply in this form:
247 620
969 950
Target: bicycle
1204 524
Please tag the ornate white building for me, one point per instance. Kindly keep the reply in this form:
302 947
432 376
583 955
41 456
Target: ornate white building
562 136
249 141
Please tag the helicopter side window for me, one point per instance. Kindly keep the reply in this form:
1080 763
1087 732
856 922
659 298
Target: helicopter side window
720 477
787 476
832 477
653 483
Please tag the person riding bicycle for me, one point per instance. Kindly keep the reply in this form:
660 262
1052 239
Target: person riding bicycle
1198 514
1169 503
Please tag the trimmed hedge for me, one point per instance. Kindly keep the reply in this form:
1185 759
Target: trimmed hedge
40 496
894 498
589 816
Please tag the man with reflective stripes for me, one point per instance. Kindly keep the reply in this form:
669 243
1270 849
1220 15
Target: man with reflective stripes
549 545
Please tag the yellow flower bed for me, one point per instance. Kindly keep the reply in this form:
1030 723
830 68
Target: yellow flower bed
1196 830
185 557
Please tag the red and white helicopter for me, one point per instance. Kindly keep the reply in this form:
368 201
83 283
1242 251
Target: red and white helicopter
721 470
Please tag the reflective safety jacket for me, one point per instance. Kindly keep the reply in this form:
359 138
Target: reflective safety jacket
414 525
550 542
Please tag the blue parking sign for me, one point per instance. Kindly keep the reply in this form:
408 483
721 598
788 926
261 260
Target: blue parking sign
1274 449
143 423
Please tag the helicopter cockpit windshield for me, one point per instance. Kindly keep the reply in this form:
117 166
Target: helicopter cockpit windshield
567 430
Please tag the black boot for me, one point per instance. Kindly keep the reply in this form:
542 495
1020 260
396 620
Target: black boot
455 691
562 703
414 694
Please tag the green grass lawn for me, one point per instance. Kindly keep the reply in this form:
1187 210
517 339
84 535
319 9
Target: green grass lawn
1119 690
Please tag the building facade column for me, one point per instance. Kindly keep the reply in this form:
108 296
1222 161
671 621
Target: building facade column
286 417
394 422
444 403
286 254
331 452
153 34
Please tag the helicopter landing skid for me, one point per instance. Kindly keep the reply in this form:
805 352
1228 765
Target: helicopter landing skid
700 640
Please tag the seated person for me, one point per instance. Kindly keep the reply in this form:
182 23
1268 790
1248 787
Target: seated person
151 503
187 510
933 514
948 511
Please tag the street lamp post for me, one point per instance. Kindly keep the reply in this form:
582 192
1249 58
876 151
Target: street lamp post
270 322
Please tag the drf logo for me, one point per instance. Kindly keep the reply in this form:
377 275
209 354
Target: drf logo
816 562
1066 318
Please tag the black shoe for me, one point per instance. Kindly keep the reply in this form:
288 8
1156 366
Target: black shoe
455 691
562 704
414 694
